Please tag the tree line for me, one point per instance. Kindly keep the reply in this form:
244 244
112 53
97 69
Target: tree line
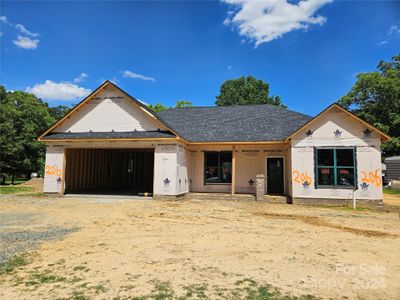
23 117
375 98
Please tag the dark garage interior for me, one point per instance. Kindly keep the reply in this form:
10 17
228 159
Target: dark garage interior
109 171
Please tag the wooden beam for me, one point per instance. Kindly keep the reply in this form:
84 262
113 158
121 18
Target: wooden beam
150 140
63 172
233 169
239 143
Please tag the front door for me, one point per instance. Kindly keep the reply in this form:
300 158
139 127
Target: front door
274 175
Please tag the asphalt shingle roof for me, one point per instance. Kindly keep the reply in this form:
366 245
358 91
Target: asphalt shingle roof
247 123
110 135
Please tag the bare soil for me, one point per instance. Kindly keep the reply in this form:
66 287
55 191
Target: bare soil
129 248
390 199
36 183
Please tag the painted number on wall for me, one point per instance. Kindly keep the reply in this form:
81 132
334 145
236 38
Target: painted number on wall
373 177
301 177
53 170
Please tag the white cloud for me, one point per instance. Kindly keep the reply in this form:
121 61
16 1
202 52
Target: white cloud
23 39
394 29
25 42
229 67
381 43
81 77
264 21
129 74
50 90
23 30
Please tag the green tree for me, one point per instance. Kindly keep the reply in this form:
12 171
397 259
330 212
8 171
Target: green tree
244 91
183 103
57 112
158 107
375 97
23 117
7 134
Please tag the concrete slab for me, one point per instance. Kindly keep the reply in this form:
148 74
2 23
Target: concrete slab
107 198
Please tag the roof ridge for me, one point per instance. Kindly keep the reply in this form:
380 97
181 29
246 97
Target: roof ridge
237 105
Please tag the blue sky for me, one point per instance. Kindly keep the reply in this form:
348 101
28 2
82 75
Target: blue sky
167 51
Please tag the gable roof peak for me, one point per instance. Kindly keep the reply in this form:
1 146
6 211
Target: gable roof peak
92 95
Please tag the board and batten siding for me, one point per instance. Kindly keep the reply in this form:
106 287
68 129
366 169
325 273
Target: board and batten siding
368 157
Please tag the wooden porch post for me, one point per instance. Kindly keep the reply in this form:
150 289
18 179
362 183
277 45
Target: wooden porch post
233 169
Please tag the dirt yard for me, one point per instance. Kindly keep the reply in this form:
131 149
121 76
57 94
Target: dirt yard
117 249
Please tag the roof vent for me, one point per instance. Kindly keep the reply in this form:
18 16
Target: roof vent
367 132
309 133
337 133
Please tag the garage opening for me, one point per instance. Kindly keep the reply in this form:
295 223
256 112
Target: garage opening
109 171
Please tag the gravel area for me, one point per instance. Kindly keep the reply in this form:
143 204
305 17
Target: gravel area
12 219
22 232
17 242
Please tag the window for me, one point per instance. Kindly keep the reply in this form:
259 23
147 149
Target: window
335 167
217 167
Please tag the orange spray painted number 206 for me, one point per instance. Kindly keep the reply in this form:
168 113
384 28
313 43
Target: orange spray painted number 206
301 177
373 177
53 170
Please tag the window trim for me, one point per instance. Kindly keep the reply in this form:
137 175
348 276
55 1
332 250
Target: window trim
335 167
219 168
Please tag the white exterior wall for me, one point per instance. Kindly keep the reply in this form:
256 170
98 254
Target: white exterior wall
169 162
54 173
368 157
170 170
182 179
110 110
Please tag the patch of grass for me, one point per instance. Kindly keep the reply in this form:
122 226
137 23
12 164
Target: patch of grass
127 287
81 268
78 295
44 277
7 190
198 291
84 285
99 288
38 194
14 263
75 279
246 289
247 281
249 289
162 290
391 191
16 181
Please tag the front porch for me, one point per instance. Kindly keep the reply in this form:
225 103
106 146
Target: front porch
233 169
